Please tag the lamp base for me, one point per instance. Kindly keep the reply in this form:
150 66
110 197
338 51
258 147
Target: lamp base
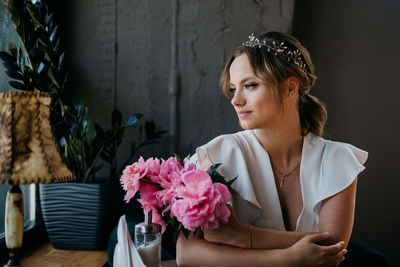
13 260
14 224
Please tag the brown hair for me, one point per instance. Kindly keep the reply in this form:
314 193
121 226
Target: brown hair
274 68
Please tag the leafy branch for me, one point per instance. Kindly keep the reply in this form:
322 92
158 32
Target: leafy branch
47 71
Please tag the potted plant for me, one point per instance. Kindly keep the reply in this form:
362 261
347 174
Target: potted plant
77 215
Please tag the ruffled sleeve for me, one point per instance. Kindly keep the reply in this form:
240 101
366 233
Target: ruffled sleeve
223 149
341 164
228 150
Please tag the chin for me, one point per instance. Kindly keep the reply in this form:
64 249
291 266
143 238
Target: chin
247 125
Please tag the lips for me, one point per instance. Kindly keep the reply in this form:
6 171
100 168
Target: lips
243 113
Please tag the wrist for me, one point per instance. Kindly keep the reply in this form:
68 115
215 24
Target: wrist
243 237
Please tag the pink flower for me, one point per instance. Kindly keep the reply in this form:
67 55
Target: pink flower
153 169
200 203
170 173
187 166
150 202
189 194
172 180
131 176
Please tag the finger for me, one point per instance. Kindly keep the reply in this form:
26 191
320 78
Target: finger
335 259
229 207
333 249
342 253
232 216
317 237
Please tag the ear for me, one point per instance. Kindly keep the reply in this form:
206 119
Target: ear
292 86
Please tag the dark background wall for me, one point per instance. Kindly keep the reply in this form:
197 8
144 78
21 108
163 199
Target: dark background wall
206 33
355 47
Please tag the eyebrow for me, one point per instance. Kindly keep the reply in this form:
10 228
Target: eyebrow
245 80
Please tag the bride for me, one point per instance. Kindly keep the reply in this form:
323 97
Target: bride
293 202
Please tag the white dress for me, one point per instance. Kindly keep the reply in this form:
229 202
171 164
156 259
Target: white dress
326 169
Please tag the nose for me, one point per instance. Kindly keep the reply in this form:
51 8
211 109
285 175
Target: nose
238 98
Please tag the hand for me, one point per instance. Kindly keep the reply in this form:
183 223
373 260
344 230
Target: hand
233 233
306 252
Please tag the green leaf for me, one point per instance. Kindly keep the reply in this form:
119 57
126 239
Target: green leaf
62 141
100 131
53 33
230 182
49 18
85 125
106 157
92 137
17 85
46 43
213 168
15 75
116 118
35 14
185 232
21 59
176 234
178 158
11 66
61 59
132 120
6 56
51 75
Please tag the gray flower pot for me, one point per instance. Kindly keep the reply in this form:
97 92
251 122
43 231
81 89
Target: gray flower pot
80 216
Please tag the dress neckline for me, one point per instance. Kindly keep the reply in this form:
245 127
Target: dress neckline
271 174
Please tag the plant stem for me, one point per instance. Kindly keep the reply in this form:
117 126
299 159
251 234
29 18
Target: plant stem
88 171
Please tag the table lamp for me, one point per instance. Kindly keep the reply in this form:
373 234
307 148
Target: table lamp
28 154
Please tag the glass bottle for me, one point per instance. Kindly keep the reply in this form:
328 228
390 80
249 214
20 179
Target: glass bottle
148 241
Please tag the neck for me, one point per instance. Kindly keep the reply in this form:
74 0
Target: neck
284 143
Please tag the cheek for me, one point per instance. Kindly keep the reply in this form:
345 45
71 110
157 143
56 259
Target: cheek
266 104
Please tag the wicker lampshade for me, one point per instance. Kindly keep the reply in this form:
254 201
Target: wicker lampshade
28 152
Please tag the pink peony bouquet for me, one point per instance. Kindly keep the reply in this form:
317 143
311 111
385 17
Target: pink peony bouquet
178 193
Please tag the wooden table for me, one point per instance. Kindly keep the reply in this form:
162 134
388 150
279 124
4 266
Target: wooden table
46 256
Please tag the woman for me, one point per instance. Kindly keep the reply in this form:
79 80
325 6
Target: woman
293 201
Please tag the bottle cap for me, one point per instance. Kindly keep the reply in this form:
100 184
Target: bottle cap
147 227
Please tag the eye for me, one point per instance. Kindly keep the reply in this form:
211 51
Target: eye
232 90
250 85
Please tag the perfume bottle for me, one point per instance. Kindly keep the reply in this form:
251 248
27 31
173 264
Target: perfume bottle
148 241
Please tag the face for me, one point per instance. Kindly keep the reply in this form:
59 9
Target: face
253 101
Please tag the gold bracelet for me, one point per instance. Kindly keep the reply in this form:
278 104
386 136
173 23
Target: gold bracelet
250 236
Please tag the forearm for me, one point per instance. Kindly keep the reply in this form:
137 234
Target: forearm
237 234
198 252
264 238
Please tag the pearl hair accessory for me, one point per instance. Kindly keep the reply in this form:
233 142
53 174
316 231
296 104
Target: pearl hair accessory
280 49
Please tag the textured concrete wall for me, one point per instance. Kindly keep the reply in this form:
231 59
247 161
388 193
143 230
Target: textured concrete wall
354 45
207 32
7 34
